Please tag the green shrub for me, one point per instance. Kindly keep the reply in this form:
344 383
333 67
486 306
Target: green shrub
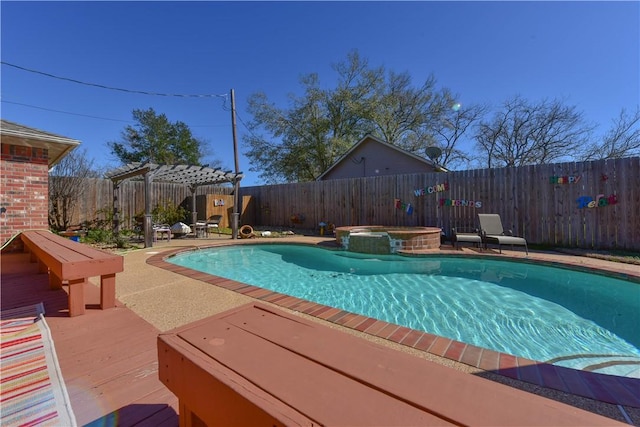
99 235
121 242
167 212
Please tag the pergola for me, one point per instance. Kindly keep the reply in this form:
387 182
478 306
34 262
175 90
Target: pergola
190 175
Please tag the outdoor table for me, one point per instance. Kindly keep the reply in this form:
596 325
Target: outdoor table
160 230
199 230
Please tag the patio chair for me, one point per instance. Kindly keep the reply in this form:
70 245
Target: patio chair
214 222
469 237
492 232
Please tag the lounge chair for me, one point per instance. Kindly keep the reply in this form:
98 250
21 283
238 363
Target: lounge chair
457 237
492 232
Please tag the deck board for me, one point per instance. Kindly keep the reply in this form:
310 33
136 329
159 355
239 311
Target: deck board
108 358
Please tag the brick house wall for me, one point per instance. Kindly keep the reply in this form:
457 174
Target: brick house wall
26 157
24 189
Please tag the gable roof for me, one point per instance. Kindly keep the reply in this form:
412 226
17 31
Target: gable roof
355 146
57 146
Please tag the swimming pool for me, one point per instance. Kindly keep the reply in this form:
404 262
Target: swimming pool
561 316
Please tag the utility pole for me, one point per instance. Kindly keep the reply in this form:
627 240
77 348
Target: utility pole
236 191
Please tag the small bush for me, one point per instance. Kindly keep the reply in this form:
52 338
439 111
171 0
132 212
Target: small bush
167 212
121 242
98 235
94 236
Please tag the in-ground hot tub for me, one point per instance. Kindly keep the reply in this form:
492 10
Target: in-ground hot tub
387 240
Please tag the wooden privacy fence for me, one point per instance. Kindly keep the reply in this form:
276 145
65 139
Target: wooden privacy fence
587 204
96 202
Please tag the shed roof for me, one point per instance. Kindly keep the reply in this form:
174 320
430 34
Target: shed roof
57 146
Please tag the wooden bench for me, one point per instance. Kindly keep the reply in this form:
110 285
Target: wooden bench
73 262
256 365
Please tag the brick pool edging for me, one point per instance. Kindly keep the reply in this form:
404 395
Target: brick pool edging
606 388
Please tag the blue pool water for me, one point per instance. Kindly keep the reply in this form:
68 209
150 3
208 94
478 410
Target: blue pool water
561 316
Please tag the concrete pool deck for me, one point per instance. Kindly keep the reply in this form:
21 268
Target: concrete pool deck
167 299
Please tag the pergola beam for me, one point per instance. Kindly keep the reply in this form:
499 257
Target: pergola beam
130 174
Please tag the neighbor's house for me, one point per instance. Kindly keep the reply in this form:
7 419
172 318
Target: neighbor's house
27 156
373 157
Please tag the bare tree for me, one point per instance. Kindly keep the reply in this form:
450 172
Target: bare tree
524 133
67 183
622 139
456 123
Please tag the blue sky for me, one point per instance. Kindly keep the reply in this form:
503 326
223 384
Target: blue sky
585 53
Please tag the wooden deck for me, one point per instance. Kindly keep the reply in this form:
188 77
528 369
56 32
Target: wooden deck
108 357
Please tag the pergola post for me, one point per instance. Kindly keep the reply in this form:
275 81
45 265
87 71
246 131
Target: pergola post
148 225
194 213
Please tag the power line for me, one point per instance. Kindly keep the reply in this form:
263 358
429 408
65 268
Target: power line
114 88
65 112
92 117
246 127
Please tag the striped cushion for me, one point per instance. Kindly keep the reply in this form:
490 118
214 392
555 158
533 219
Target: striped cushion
32 391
